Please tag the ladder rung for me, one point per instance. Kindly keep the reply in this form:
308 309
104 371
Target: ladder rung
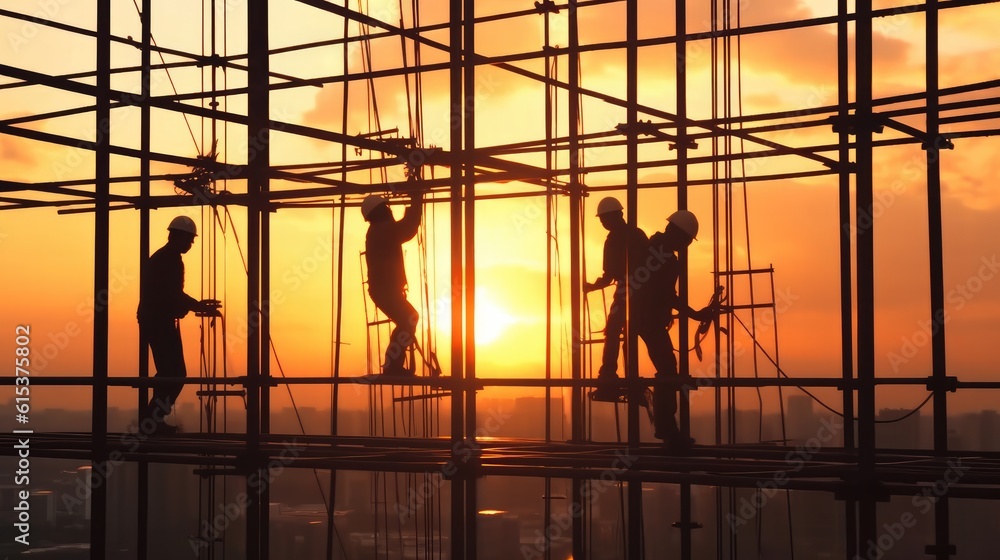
746 271
752 306
221 393
379 322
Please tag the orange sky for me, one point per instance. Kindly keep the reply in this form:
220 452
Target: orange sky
793 224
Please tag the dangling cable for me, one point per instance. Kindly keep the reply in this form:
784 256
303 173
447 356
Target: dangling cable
169 77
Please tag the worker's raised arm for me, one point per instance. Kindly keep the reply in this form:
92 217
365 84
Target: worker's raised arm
407 227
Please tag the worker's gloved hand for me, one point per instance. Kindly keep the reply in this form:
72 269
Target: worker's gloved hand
710 312
589 287
706 314
208 308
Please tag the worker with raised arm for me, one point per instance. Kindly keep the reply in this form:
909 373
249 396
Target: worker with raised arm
387 275
162 303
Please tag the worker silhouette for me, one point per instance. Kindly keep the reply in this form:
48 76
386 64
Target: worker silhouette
657 302
387 275
625 249
162 303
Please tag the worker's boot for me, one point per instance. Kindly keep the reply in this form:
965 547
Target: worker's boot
395 368
664 423
608 389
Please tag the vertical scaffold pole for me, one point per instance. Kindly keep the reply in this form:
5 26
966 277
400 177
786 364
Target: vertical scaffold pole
635 551
102 247
846 269
458 513
864 228
469 181
142 494
683 363
579 499
942 548
258 137
338 298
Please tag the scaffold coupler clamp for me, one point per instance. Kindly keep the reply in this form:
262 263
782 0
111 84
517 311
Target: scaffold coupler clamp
465 462
941 142
851 124
938 550
947 383
546 6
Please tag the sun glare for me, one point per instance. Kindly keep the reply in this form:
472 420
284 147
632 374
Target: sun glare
492 318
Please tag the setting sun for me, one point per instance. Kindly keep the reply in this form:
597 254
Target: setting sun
492 318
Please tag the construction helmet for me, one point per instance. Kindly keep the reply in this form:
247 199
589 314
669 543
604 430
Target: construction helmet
370 203
686 221
183 223
608 204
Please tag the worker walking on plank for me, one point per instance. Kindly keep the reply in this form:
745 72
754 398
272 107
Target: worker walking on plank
657 302
624 250
162 303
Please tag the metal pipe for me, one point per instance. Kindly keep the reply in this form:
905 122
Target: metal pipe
683 334
846 271
102 248
634 518
339 302
145 131
469 183
549 233
258 136
458 512
864 230
577 424
939 363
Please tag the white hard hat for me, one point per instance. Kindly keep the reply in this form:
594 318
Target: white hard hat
370 203
686 221
608 204
183 223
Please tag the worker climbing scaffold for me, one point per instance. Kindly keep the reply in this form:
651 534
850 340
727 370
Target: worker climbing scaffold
387 274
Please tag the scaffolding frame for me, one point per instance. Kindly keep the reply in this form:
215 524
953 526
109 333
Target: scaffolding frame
853 473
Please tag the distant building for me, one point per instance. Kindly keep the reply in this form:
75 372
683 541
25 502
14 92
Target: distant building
498 535
989 431
802 421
